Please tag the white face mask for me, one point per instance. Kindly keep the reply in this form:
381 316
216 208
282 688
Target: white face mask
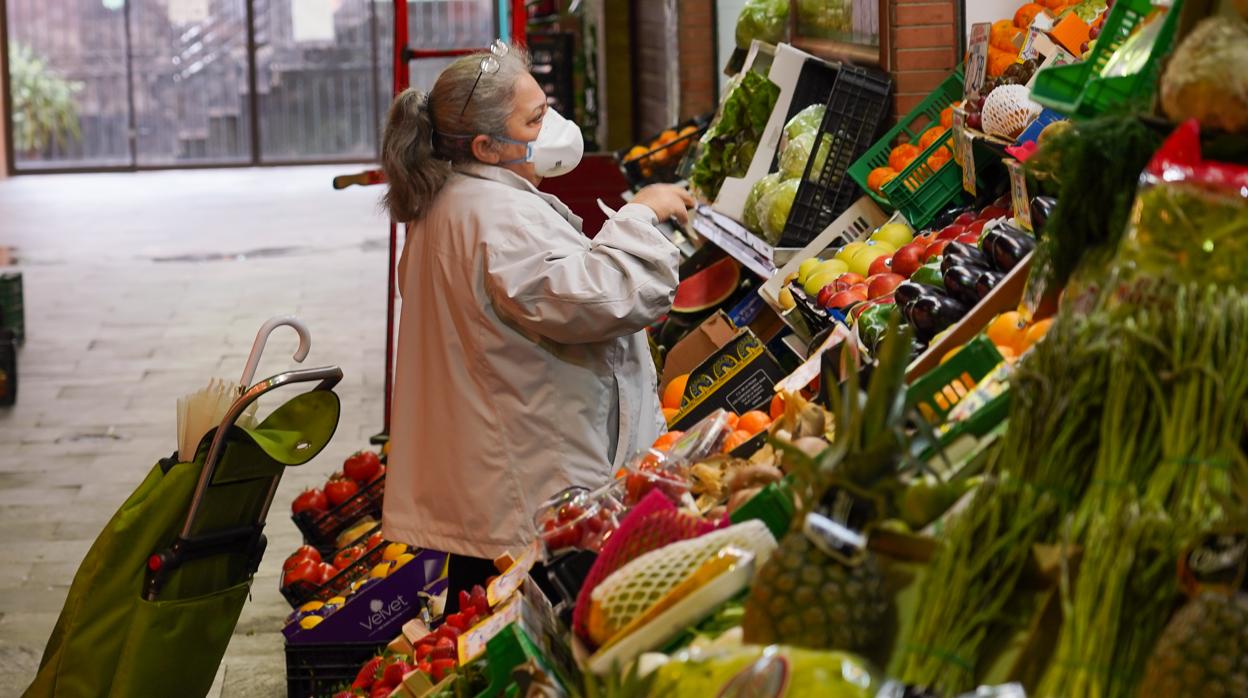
557 150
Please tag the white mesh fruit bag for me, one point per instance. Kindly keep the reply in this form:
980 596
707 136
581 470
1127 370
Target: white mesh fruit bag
1008 110
638 585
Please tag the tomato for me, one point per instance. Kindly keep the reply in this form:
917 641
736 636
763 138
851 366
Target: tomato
303 552
327 572
362 466
312 500
304 571
381 472
347 556
340 490
374 540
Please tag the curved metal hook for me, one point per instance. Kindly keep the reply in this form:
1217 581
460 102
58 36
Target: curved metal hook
262 337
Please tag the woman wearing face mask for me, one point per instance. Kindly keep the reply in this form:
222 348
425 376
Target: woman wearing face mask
523 366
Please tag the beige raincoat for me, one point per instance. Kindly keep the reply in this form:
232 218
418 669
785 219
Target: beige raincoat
523 366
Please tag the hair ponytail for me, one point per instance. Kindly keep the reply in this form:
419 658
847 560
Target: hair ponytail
415 173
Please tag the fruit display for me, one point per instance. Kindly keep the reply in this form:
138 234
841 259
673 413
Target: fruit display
770 200
308 576
658 160
578 518
327 514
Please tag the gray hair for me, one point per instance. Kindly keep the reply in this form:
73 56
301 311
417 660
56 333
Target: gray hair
428 133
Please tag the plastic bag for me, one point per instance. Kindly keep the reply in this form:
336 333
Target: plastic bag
826 18
807 120
797 153
764 20
774 209
761 188
1190 218
794 673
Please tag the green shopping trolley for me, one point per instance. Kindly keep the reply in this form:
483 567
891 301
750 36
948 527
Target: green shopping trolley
154 603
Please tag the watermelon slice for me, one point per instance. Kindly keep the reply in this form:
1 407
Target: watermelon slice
707 288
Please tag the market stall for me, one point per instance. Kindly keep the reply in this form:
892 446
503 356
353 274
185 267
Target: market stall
994 444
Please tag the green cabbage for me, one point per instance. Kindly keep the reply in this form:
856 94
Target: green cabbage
764 20
797 152
752 219
825 18
775 207
807 120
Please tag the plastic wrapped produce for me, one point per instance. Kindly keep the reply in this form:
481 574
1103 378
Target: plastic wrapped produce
797 153
775 207
764 20
758 192
807 120
740 672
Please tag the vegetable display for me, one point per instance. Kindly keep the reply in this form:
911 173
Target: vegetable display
728 146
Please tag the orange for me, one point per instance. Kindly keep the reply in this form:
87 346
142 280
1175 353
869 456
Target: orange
999 61
776 410
930 136
735 439
665 441
1008 354
938 159
1003 34
675 391
1055 5
1007 330
636 152
902 155
669 413
946 115
1025 14
1036 332
753 422
951 353
879 177
680 147
732 418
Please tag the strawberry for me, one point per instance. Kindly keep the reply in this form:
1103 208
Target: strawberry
445 649
381 691
367 674
442 667
423 651
394 673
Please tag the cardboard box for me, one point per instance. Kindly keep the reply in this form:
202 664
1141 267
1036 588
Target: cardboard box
704 340
738 377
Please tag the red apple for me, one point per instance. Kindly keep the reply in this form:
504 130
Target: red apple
977 227
880 265
846 280
951 231
965 218
935 249
909 258
883 284
825 293
969 238
846 298
990 212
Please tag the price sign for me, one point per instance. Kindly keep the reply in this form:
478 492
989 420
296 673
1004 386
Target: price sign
840 524
1019 198
963 150
977 59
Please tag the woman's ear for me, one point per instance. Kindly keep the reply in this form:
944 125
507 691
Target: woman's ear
483 152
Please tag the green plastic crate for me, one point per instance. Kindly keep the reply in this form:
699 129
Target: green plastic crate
773 505
1079 90
917 191
936 393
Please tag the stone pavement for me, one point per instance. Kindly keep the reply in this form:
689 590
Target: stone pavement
140 287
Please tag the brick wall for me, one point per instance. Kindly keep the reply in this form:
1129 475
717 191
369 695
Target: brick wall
923 47
653 58
698 72
684 54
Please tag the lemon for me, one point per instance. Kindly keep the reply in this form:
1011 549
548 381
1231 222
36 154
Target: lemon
403 560
818 280
309 622
311 606
786 299
804 270
393 551
336 601
895 234
832 265
847 252
861 262
380 571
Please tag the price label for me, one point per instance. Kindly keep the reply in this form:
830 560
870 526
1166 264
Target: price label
963 150
1217 561
809 370
841 523
1019 198
977 59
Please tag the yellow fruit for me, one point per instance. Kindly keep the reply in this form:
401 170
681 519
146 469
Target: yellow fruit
309 622
847 252
393 551
1036 332
807 267
403 560
832 266
336 601
895 234
818 280
380 571
786 299
1006 330
950 354
311 606
861 262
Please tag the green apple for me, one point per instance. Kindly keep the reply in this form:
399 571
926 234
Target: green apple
895 234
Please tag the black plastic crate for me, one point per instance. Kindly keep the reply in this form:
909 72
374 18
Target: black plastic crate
302 592
551 63
663 164
12 313
321 531
857 109
317 670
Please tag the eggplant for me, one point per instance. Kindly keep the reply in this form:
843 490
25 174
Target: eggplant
906 293
967 251
960 282
948 261
1005 245
985 281
932 313
1041 208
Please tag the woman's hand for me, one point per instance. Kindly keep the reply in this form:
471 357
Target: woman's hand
666 200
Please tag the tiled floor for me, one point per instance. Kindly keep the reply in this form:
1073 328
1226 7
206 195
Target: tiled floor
139 287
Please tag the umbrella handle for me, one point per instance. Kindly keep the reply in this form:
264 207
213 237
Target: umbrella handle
262 337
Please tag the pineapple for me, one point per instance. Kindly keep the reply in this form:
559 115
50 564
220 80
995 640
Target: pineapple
1203 651
803 596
